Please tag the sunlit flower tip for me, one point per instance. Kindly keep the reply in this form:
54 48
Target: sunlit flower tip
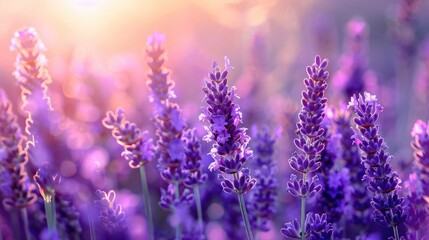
369 98
26 39
156 40
419 129
227 64
113 120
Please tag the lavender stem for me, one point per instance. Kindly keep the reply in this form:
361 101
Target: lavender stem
147 204
91 225
48 210
244 213
198 204
25 220
304 178
179 227
53 212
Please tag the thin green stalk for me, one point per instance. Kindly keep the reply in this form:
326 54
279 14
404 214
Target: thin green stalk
244 213
198 204
304 177
179 227
48 214
147 205
25 221
53 213
91 225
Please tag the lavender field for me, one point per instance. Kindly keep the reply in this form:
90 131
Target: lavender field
217 120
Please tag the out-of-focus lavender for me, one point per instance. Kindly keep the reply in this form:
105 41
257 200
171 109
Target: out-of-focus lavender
262 200
111 215
359 203
178 149
354 75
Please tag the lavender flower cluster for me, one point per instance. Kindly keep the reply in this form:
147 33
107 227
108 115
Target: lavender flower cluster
64 176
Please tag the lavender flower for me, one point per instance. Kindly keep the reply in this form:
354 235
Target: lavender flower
193 163
382 181
31 72
310 141
230 149
111 215
261 201
138 146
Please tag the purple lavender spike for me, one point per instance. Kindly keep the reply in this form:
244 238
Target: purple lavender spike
388 206
310 141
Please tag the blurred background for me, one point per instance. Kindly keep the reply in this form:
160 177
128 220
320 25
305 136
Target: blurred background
95 50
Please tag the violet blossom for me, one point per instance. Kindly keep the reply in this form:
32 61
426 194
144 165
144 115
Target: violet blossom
389 209
311 142
230 149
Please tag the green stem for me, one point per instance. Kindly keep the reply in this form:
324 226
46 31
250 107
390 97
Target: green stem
244 213
147 205
25 221
179 227
198 204
53 213
304 177
48 215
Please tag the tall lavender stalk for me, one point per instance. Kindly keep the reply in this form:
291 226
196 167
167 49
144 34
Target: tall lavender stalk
31 73
138 150
179 160
382 181
14 158
311 142
230 149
